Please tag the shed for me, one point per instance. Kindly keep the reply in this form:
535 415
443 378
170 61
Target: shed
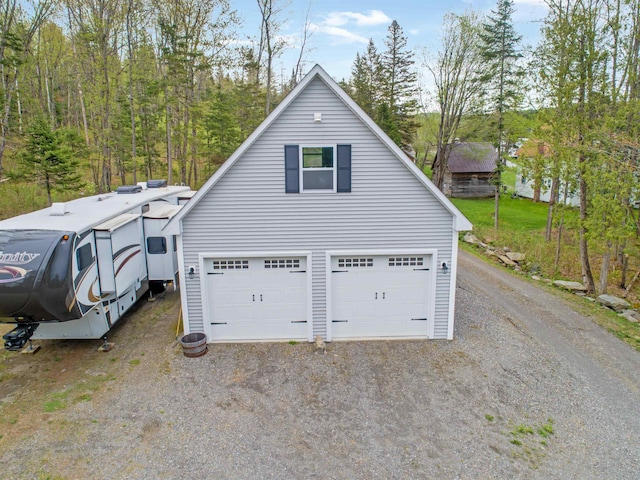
470 169
318 224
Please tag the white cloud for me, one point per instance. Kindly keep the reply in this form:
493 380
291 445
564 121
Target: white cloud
373 18
340 34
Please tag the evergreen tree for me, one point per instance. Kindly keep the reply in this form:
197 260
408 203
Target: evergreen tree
50 157
366 80
398 88
500 51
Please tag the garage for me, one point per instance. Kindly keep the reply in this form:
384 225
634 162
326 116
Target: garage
388 296
256 298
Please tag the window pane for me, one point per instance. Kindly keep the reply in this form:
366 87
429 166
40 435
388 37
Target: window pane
318 180
317 157
84 256
156 245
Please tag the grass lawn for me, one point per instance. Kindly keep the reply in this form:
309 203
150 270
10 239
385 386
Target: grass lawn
516 214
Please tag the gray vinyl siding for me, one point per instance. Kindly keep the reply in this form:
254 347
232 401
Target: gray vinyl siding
248 209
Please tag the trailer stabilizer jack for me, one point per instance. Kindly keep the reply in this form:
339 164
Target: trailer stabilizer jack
19 336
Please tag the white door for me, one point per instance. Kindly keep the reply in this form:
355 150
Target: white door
381 296
256 298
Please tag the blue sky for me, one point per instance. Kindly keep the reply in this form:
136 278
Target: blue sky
343 28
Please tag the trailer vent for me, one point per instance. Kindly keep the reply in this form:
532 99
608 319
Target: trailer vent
156 183
58 209
129 189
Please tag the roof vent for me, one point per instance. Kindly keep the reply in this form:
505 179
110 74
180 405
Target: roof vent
129 189
156 183
58 209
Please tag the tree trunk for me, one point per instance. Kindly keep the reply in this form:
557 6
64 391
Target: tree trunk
587 276
553 196
604 270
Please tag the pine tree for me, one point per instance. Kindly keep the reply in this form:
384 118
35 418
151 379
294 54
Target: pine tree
500 51
366 80
398 88
50 157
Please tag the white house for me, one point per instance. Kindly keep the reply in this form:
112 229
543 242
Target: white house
318 225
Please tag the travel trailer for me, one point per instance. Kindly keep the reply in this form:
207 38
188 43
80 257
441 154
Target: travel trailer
72 270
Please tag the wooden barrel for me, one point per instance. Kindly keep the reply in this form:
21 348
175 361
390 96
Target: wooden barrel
194 344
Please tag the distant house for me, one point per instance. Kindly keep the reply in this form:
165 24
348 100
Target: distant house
470 167
532 180
318 225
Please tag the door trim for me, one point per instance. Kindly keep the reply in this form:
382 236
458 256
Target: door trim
380 252
206 307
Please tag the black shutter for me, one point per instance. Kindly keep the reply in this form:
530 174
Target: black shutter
344 168
292 168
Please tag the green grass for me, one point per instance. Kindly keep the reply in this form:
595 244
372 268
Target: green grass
516 214
57 402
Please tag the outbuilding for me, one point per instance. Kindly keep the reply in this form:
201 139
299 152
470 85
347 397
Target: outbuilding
318 224
470 169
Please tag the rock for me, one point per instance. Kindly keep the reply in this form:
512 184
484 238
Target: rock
470 238
516 256
535 277
571 286
615 303
631 315
491 253
506 260
506 249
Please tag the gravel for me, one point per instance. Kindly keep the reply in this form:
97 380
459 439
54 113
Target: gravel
527 389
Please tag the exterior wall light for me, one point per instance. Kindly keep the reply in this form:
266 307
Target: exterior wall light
445 268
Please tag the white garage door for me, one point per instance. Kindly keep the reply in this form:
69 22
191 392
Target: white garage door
256 298
381 296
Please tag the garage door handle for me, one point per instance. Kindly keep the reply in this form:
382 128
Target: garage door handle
215 273
339 271
418 319
298 321
218 323
420 269
339 321
298 271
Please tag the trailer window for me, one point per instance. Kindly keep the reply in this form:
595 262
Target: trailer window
84 257
156 245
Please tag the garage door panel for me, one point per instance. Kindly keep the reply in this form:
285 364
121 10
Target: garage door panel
261 301
384 296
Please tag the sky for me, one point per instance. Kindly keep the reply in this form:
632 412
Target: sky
340 29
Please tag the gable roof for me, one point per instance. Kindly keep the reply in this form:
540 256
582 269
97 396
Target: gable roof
472 157
461 223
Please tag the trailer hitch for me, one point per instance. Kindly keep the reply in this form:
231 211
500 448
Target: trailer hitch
19 336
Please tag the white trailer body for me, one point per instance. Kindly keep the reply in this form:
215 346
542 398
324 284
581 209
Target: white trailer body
72 270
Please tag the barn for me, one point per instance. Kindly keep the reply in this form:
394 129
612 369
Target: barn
470 169
318 225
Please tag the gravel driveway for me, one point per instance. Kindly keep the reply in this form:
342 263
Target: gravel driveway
528 389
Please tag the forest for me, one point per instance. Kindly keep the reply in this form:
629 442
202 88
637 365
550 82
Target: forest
100 93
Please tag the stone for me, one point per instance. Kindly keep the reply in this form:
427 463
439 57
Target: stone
470 238
613 302
516 256
535 277
506 260
631 315
491 253
483 245
571 286
506 249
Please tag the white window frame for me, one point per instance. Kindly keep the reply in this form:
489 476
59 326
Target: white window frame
316 169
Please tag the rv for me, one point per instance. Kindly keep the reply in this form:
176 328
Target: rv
72 270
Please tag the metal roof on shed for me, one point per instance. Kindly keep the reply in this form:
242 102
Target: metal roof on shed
472 157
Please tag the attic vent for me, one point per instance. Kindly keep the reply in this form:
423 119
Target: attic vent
58 209
129 189
156 183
